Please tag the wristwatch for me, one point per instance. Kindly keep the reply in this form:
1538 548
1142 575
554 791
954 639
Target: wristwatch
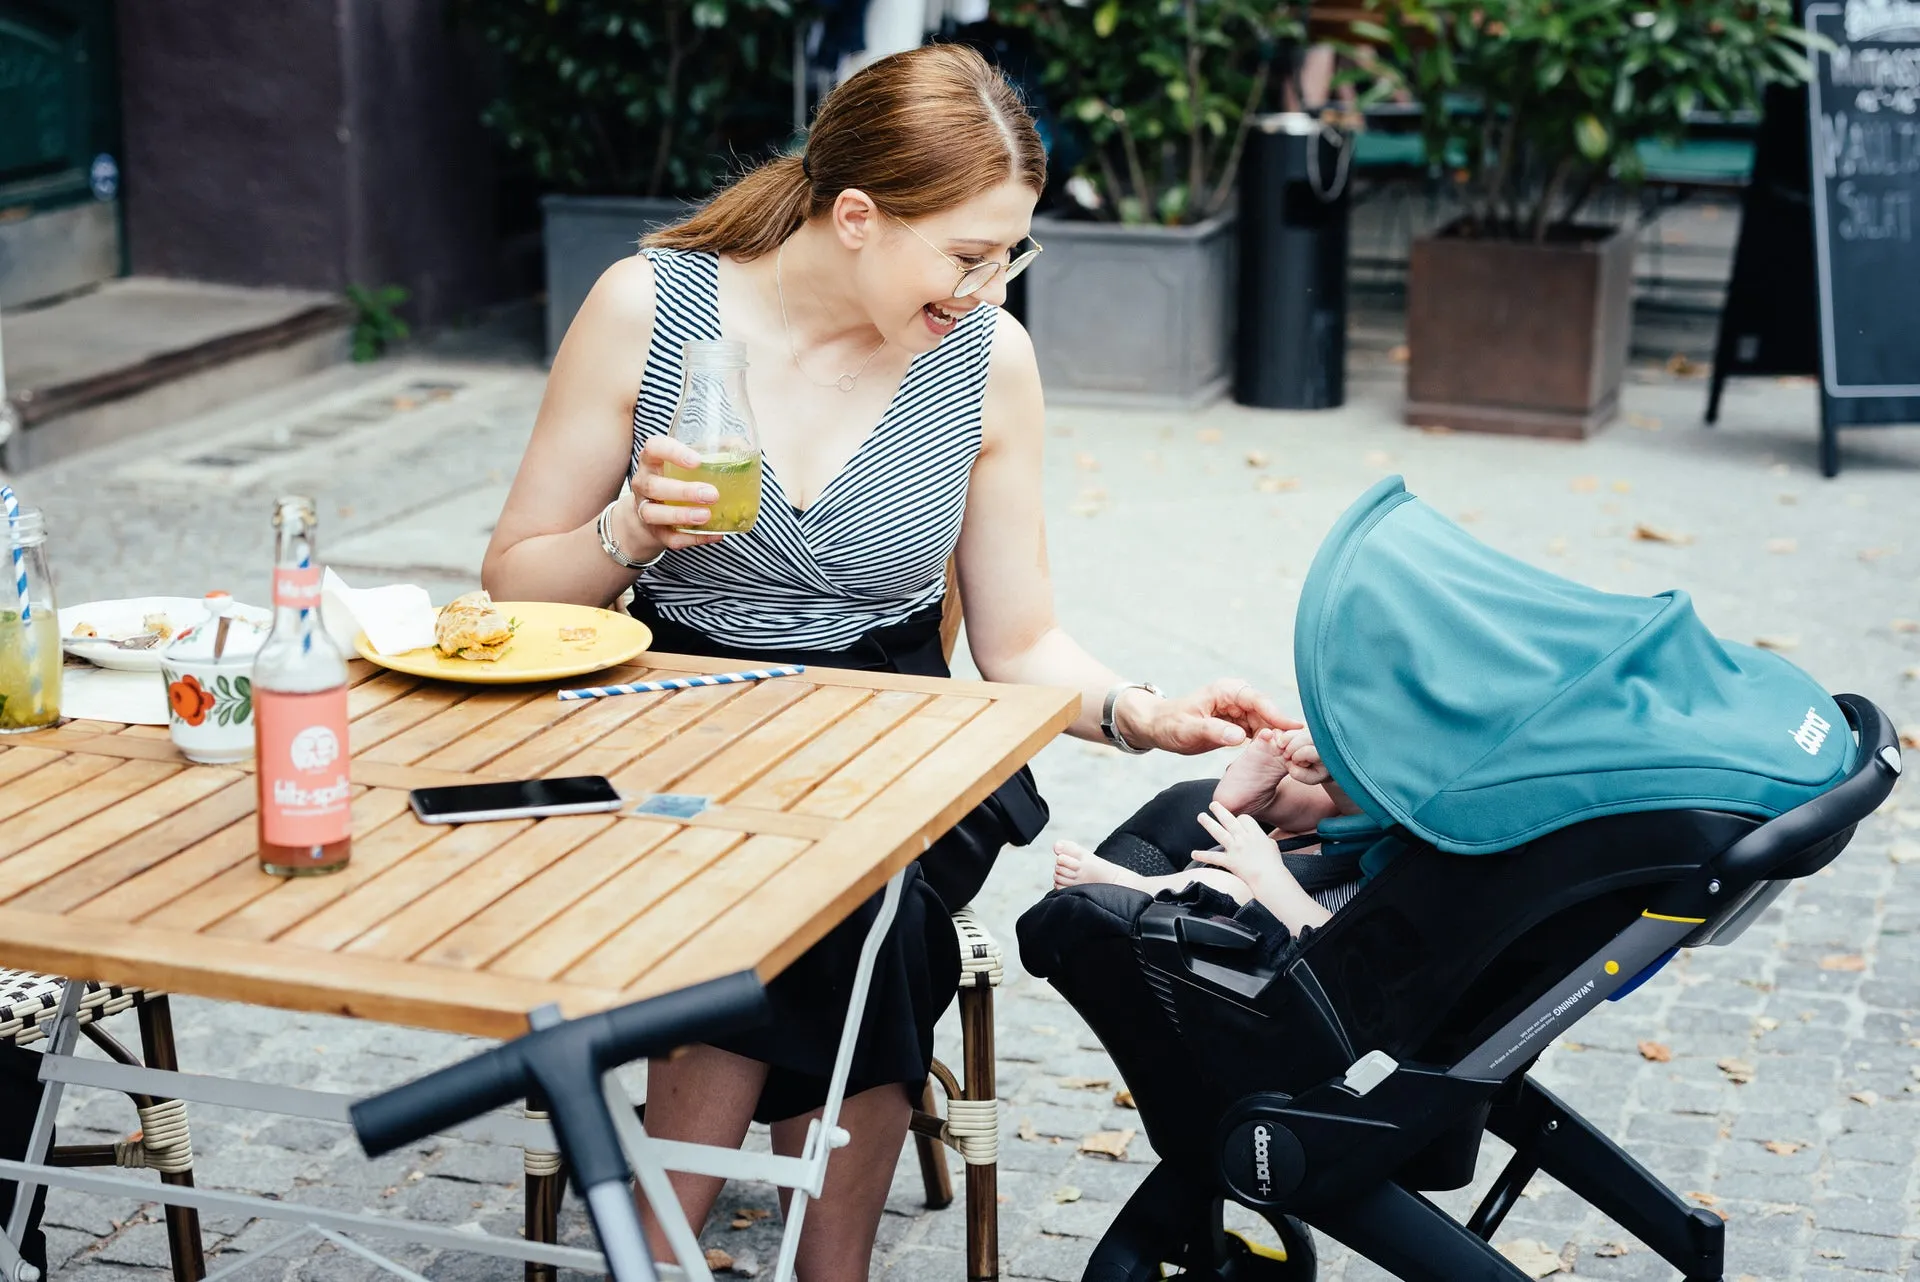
611 546
1107 728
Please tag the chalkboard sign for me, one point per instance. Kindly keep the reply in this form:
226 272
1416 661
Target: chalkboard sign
1864 110
1838 165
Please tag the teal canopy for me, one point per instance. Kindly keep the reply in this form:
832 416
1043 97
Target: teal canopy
1481 702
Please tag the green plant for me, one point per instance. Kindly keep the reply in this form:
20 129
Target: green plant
376 322
637 97
1165 91
1545 98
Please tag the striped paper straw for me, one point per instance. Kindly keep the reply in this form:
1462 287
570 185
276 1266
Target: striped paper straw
682 683
12 508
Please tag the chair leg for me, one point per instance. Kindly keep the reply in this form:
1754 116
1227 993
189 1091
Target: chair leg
1567 1147
545 1186
183 1222
933 1157
1413 1239
983 1178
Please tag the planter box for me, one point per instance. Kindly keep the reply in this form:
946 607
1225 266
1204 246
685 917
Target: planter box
584 236
1133 315
1507 336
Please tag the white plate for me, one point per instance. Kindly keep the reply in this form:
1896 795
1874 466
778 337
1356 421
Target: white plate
120 619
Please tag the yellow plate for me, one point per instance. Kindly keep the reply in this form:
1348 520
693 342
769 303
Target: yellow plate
536 653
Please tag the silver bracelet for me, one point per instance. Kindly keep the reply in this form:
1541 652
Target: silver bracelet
1112 732
604 526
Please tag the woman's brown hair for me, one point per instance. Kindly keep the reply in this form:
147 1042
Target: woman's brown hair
919 131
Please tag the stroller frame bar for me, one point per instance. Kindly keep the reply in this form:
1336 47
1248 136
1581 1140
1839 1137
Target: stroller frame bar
1642 944
1546 1135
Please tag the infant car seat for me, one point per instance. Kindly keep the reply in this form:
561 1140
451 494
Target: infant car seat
1562 788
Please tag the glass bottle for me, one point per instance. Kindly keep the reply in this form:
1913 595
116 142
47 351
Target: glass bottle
300 714
29 627
715 419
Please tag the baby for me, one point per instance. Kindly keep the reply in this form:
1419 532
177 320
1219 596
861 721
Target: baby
1279 785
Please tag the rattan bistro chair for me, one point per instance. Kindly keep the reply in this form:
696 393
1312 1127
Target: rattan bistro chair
28 1006
972 1121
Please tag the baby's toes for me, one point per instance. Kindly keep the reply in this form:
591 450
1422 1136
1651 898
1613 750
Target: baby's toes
1066 863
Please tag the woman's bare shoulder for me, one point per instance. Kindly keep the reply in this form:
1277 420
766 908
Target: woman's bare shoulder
1013 405
609 336
625 292
1012 356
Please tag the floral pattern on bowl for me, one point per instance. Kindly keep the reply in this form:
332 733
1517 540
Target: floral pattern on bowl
210 707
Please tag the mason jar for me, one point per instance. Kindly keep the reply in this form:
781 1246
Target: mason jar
29 628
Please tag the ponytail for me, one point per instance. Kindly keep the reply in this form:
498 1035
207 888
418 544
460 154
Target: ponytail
753 216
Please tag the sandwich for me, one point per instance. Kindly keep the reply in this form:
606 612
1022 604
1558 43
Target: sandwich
469 627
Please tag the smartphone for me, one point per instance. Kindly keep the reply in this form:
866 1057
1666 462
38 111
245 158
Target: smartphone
525 799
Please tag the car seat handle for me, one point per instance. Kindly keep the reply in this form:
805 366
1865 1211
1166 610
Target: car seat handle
1782 838
1214 932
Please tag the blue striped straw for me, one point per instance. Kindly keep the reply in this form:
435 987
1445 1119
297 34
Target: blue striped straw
682 683
12 507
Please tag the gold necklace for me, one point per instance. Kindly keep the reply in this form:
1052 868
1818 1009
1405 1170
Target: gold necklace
846 381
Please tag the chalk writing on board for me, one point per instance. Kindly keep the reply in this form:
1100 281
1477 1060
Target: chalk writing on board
1864 110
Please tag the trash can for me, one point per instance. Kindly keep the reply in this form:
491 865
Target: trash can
1292 343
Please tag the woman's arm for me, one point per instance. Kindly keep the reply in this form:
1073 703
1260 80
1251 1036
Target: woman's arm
545 546
1006 588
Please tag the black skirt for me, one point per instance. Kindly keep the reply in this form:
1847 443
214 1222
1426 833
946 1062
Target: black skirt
918 969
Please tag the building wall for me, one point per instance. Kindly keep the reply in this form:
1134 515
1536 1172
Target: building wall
309 144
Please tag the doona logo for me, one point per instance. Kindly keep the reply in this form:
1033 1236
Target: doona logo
1262 1161
1812 734
314 748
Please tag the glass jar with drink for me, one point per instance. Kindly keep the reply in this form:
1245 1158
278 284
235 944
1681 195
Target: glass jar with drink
715 419
29 623
300 714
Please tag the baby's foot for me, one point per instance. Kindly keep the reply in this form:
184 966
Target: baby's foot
1075 865
1247 786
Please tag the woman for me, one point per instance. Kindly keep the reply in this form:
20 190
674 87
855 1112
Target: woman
900 418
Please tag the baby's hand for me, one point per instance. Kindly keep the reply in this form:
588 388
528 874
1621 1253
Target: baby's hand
1245 849
1303 759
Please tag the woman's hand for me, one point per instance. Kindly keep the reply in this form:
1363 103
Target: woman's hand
1223 714
661 504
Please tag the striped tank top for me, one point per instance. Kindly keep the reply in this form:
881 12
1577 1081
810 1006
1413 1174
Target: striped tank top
872 548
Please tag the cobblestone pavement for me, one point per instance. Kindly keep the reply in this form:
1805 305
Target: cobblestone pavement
1214 518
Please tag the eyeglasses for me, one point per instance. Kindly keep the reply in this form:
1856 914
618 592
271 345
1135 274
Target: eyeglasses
977 277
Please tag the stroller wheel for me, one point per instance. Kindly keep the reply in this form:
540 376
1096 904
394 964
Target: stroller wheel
1291 1261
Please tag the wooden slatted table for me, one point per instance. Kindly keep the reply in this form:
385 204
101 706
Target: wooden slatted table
120 861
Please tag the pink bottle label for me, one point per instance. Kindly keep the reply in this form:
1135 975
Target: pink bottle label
297 589
305 793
